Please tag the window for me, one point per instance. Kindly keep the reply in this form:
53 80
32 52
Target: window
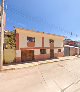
59 50
42 51
51 41
30 39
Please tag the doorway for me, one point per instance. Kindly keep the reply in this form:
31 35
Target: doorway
27 55
51 53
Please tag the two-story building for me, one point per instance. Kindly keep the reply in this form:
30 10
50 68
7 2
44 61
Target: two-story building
31 45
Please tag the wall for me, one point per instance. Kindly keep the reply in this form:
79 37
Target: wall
39 56
58 54
9 55
58 43
58 40
72 51
18 55
76 50
22 41
46 42
66 51
37 52
38 41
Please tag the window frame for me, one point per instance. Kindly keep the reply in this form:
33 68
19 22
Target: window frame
30 39
42 51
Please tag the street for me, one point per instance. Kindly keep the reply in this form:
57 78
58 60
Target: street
62 76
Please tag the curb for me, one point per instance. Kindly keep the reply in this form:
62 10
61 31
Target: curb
35 64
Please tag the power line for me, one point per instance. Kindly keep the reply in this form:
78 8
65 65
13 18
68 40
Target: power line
21 14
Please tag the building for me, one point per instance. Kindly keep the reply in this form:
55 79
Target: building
71 48
31 45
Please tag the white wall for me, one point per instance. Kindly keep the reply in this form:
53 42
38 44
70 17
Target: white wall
18 53
37 52
62 50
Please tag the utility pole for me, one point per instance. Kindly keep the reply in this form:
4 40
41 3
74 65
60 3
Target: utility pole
2 34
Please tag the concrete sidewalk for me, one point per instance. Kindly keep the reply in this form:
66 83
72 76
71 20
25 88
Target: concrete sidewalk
26 65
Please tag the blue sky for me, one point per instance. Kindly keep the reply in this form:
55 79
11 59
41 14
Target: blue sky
59 17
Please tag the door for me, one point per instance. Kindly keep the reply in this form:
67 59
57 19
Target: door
51 53
66 51
27 55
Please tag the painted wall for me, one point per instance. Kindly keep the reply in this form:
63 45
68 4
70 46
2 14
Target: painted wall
56 50
18 53
58 40
58 43
22 41
47 51
46 42
9 55
38 41
37 52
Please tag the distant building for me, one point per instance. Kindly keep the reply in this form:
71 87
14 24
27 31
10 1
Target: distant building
31 45
71 48
71 43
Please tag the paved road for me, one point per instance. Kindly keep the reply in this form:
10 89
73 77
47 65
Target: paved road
63 76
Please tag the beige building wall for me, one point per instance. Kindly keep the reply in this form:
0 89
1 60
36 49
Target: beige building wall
37 52
22 41
58 43
29 32
55 50
46 42
47 51
38 41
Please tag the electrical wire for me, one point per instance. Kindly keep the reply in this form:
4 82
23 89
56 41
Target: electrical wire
20 13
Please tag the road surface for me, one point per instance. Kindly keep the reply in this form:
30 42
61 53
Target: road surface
62 76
